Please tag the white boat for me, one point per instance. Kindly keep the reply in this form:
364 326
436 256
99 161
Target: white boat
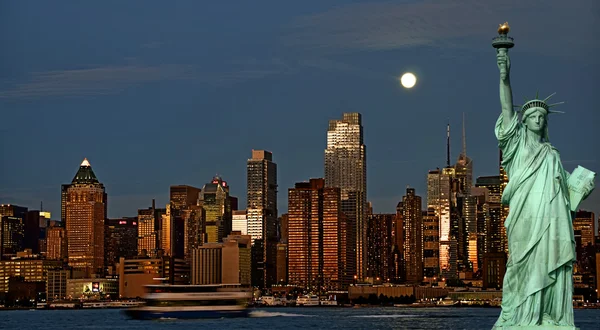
308 300
191 302
273 301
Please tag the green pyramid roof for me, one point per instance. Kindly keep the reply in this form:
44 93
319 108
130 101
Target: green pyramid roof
85 174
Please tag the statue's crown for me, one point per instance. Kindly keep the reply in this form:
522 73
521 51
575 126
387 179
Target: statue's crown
539 103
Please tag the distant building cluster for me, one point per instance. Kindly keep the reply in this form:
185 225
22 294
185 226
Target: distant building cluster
330 240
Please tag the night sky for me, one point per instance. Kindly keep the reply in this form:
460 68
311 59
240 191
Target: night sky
160 93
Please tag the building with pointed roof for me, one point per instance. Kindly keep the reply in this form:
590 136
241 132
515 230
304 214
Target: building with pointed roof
84 206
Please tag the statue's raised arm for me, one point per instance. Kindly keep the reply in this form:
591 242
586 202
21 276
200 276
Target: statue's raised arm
506 100
502 43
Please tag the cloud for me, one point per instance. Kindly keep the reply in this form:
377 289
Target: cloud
94 81
105 80
443 23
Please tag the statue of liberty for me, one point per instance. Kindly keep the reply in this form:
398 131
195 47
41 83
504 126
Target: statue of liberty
538 284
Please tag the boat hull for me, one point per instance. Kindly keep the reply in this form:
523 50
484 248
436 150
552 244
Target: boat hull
145 314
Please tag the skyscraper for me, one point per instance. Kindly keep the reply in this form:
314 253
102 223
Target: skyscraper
149 223
346 168
380 246
316 227
262 216
441 196
216 202
431 243
85 212
120 240
413 233
187 221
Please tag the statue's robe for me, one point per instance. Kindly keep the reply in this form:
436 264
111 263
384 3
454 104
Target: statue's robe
538 284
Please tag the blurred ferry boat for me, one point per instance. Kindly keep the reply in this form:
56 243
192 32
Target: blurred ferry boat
191 302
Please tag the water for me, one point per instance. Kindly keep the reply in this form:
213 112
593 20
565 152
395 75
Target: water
280 318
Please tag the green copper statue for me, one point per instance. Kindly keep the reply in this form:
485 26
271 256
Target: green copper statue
538 284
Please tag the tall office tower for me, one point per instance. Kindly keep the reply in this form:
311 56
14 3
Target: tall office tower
216 202
380 246
442 188
413 236
32 231
282 249
316 227
585 222
262 216
148 230
188 229
12 234
431 243
12 229
85 208
165 231
239 221
346 168
120 240
481 196
441 199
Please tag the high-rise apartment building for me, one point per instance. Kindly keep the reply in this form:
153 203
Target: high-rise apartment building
56 246
431 244
216 202
262 216
317 250
412 216
380 246
346 168
85 206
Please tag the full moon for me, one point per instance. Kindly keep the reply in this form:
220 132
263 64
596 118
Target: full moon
408 80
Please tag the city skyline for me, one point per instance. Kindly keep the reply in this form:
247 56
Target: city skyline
140 100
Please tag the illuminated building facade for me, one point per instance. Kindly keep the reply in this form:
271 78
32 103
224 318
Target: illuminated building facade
216 202
56 247
262 216
317 251
148 226
239 222
346 168
441 198
85 208
188 228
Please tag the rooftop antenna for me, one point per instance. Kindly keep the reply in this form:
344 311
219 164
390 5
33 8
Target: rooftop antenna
448 145
464 138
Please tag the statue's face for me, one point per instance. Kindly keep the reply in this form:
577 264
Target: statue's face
536 122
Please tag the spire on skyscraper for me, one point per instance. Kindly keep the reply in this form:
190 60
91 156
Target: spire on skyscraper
85 174
464 138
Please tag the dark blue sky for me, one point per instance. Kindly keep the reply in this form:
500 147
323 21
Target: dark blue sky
159 93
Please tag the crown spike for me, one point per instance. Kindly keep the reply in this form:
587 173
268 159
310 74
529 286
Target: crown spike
549 96
555 104
552 111
517 106
537 95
